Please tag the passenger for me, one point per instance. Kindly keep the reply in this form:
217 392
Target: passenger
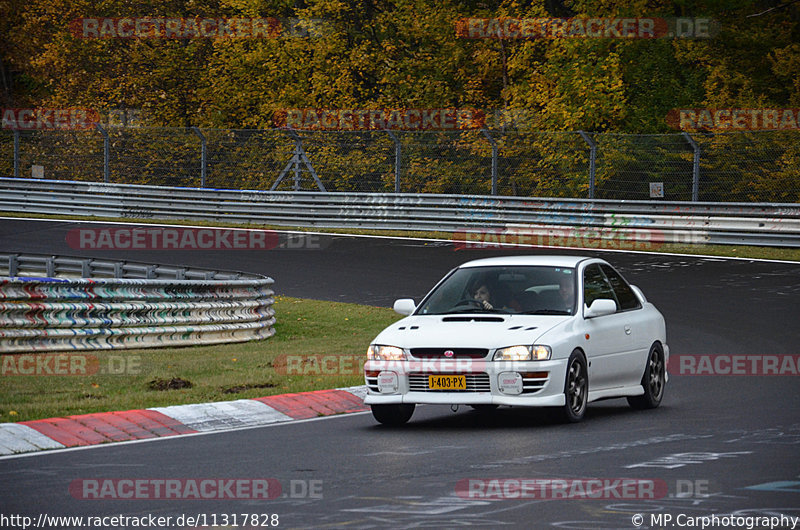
566 288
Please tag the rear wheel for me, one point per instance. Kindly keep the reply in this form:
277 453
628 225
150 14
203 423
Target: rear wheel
576 389
395 414
653 381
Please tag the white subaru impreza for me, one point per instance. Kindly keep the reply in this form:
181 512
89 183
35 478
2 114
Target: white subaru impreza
533 331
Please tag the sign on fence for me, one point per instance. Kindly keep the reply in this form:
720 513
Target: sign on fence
656 190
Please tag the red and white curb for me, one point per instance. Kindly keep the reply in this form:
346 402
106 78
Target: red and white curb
107 427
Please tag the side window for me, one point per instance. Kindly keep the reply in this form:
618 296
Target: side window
596 286
626 298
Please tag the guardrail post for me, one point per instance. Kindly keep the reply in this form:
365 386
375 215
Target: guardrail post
16 153
494 159
695 168
203 164
86 268
592 158
106 153
13 265
118 271
396 160
50 267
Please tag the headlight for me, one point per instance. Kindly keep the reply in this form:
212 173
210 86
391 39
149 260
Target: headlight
376 352
537 352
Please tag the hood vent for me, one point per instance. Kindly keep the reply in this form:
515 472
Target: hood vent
473 319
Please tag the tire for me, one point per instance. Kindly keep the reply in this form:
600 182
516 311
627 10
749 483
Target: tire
393 414
653 381
576 390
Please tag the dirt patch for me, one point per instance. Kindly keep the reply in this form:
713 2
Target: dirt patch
241 388
169 384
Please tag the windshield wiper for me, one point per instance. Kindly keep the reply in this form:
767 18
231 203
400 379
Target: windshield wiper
547 312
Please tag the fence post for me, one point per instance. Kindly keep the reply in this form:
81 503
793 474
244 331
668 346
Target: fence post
592 157
396 160
202 156
299 157
16 153
494 159
106 153
695 168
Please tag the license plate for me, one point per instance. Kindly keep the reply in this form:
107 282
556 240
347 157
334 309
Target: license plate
447 382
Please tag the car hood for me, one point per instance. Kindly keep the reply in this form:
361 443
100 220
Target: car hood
468 331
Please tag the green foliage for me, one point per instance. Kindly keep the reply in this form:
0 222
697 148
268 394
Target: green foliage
400 54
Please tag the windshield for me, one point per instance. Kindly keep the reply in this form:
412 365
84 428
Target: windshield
518 289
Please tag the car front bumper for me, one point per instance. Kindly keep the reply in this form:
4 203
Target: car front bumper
542 383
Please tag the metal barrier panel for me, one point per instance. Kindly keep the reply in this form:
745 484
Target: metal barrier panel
55 314
769 224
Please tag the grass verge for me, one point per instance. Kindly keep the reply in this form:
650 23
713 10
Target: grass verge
216 373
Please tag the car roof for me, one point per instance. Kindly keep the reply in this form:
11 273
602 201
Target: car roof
541 260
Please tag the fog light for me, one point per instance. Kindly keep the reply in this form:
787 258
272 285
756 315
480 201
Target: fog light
387 382
510 383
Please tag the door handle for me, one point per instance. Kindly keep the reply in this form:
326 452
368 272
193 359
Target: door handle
627 330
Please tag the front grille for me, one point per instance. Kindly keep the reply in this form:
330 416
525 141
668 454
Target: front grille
372 383
458 353
475 383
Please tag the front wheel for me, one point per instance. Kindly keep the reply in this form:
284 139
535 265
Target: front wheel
395 414
576 389
653 381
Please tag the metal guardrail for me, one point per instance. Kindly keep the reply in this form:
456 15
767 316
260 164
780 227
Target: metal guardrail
75 267
138 308
765 224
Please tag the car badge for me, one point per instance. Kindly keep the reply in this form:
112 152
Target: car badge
449 353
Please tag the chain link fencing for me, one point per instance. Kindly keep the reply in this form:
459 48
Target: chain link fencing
761 166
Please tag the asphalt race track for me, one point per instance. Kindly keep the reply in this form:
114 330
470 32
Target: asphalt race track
719 444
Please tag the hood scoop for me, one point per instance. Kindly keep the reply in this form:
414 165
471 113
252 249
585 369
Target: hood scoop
473 319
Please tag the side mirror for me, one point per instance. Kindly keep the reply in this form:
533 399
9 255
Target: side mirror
600 307
404 306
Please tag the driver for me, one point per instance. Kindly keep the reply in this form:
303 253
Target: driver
482 294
